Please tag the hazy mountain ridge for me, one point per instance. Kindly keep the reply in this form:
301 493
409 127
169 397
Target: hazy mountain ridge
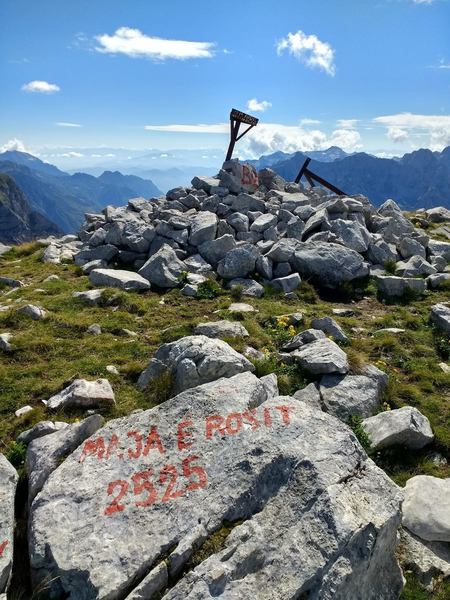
18 222
418 179
64 198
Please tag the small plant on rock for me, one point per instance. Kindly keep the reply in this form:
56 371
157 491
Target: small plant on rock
16 454
208 290
355 422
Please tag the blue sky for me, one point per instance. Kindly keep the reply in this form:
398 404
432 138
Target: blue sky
369 75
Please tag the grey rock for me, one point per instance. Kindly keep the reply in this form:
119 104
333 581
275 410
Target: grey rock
409 247
91 297
351 234
426 507
241 307
328 264
429 561
214 251
282 269
439 248
438 214
34 312
164 268
303 480
44 454
319 220
440 317
416 266
246 202
283 250
82 393
310 395
5 344
193 360
93 264
404 426
238 221
220 329
330 327
8 483
39 430
197 264
238 262
94 329
286 284
11 282
106 252
305 337
270 383
393 286
344 396
343 312
249 287
264 267
203 228
320 357
439 280
271 180
125 280
205 183
380 252
263 222
23 410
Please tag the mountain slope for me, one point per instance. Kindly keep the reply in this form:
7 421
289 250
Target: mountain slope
18 222
418 179
64 198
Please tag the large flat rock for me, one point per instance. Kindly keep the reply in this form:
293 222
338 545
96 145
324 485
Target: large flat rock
8 482
125 280
312 513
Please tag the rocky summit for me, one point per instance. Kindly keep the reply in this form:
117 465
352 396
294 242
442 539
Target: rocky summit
238 390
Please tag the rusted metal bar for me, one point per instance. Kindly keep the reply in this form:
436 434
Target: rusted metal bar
312 177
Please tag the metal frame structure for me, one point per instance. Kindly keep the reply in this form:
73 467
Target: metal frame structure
312 177
236 118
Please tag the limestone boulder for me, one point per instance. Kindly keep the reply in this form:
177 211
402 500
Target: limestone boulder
404 426
426 507
320 357
163 268
344 396
328 264
329 326
124 512
82 393
220 329
194 360
440 317
8 483
125 280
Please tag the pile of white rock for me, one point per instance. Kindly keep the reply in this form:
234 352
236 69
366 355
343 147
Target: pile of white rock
276 233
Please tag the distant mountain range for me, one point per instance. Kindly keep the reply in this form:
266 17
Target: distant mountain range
62 198
18 222
419 179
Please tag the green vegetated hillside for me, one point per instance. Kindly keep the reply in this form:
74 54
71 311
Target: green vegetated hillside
47 355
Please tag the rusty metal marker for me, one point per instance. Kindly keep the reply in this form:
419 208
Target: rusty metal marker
236 118
312 177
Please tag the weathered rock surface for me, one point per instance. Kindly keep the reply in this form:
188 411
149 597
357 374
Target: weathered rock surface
39 430
429 561
391 285
45 453
343 396
440 317
194 360
91 297
426 507
317 516
220 329
125 280
330 327
34 312
5 342
405 426
83 394
8 482
164 268
320 357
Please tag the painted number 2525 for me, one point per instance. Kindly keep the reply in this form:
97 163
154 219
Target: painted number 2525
145 491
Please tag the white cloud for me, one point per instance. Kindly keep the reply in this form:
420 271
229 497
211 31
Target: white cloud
310 50
270 137
397 134
423 1
435 127
255 106
309 122
346 123
201 128
71 155
13 144
41 87
65 124
134 43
